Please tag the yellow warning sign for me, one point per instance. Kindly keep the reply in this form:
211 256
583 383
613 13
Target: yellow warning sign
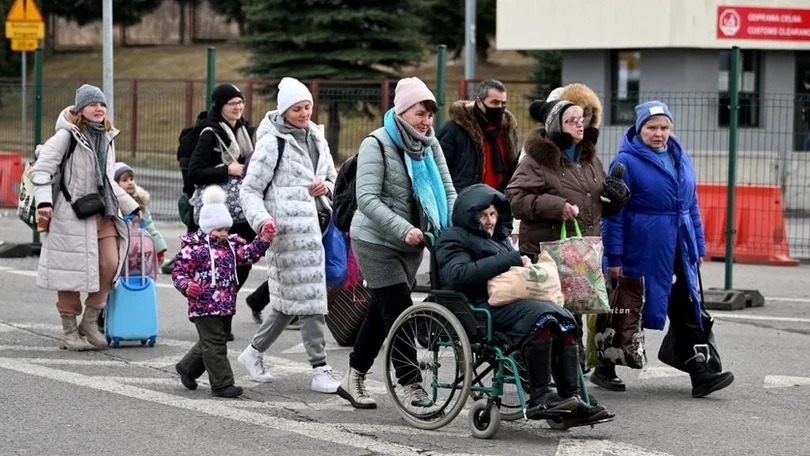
24 11
24 21
24 45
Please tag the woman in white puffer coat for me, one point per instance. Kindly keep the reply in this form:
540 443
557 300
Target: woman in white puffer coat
289 189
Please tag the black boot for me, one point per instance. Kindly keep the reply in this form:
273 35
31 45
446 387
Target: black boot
605 376
704 381
566 372
537 359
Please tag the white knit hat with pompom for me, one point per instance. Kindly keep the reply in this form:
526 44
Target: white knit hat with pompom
214 213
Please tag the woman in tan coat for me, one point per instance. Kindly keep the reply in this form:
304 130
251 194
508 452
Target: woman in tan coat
86 242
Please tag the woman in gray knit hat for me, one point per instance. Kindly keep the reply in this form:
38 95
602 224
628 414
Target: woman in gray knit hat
81 204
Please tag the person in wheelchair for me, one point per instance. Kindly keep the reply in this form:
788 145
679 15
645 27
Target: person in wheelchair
477 248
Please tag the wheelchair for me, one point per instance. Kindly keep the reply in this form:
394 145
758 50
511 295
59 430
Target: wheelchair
458 357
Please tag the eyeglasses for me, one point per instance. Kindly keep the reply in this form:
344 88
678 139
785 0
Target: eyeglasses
575 121
233 104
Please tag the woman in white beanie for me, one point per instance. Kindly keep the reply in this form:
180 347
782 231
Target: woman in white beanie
289 181
86 242
403 190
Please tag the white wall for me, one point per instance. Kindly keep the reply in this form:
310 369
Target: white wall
625 24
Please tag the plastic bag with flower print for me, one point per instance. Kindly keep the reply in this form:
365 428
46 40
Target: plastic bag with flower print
579 263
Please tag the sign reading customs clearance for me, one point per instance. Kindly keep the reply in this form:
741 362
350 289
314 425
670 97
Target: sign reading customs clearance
755 23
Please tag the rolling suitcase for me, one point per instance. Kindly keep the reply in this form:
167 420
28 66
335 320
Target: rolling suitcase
132 312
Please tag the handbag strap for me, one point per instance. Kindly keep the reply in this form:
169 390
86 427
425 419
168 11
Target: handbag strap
564 230
68 154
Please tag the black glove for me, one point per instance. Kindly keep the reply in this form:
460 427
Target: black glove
614 191
591 134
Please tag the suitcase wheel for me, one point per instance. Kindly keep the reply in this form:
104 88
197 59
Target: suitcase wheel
116 342
143 341
151 341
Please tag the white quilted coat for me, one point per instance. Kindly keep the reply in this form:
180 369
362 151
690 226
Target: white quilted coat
69 258
295 260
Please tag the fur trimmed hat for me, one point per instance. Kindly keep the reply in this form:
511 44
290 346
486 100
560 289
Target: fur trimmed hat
582 96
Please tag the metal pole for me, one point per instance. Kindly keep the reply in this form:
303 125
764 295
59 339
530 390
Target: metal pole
37 108
107 70
440 82
734 106
211 76
23 143
469 44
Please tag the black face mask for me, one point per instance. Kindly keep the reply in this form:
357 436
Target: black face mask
493 115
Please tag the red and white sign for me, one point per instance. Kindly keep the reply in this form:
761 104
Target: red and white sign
754 23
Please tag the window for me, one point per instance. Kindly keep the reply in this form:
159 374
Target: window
748 83
625 77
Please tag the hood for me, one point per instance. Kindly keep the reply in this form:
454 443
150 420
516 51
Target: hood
65 122
632 144
268 126
142 196
462 112
474 199
538 146
582 96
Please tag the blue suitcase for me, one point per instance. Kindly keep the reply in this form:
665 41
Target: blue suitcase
132 311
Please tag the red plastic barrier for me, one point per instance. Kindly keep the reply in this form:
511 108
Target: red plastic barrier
759 223
11 169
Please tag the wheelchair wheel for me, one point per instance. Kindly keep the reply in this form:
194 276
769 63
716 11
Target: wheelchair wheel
510 409
485 419
428 386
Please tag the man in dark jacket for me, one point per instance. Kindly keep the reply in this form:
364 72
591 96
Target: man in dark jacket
476 249
480 139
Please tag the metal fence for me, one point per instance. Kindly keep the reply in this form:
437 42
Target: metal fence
151 113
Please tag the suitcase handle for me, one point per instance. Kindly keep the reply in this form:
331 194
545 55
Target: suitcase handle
128 220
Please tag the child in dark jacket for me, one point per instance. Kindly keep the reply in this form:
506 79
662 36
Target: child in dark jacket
205 273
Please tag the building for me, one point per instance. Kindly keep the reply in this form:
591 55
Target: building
679 51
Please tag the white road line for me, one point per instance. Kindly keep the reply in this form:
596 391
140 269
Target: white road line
660 372
28 348
568 447
299 406
301 349
741 316
784 381
220 408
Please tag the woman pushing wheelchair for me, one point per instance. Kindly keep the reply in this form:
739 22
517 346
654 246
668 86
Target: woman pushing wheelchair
476 249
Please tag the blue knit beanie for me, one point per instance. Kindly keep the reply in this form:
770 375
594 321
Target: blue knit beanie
87 95
646 111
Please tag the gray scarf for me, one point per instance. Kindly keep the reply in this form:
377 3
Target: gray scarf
240 144
96 135
413 141
302 136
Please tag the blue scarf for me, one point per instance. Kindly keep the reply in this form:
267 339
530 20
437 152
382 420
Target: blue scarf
426 181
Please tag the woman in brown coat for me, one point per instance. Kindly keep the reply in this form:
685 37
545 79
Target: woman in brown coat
559 179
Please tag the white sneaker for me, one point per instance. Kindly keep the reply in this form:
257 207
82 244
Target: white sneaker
324 380
253 360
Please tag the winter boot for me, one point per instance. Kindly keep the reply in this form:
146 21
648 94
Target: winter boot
537 358
353 389
704 381
89 328
566 367
228 391
71 340
605 376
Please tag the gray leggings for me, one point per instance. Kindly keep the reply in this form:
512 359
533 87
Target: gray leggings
312 334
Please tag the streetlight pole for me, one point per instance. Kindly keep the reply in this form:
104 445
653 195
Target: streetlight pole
469 46
107 66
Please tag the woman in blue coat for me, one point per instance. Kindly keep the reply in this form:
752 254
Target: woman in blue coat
659 234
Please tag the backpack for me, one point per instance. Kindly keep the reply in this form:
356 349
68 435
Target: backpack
344 200
27 205
281 144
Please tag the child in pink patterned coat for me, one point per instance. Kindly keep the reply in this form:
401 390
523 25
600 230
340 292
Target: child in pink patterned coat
205 273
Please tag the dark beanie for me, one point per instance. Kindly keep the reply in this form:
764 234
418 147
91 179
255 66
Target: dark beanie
549 113
224 93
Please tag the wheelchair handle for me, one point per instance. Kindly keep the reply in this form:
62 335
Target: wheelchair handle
430 240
